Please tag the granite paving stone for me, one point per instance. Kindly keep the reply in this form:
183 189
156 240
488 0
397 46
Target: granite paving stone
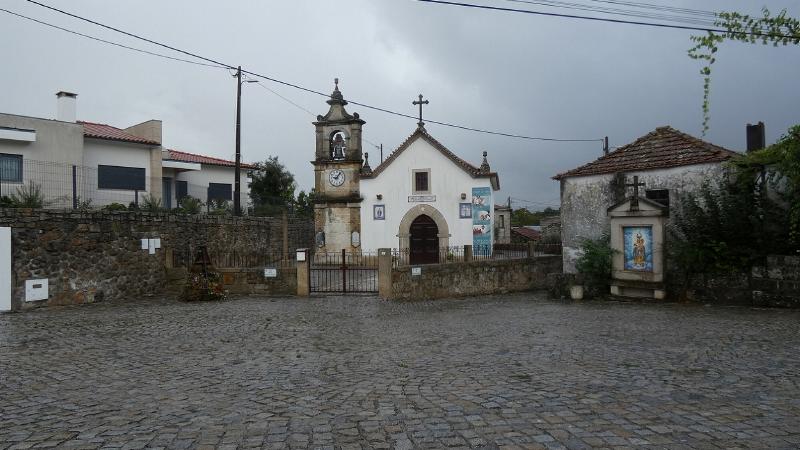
338 372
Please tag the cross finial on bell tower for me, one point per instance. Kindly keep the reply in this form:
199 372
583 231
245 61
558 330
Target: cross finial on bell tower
336 83
421 124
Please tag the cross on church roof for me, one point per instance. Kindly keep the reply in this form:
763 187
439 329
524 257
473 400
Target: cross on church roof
420 103
635 185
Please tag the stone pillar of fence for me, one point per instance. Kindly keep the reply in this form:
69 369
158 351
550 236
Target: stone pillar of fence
285 232
303 272
531 249
385 273
467 253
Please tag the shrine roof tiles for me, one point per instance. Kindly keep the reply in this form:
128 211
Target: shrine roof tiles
663 148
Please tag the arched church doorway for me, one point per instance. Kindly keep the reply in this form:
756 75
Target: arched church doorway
424 241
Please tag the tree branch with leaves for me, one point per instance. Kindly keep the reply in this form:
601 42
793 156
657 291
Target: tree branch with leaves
776 30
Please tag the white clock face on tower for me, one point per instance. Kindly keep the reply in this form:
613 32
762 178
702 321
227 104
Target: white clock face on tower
336 177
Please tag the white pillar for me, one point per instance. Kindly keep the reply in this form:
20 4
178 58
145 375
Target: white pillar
5 269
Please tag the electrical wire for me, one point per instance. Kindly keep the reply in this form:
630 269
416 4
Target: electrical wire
302 88
604 19
160 55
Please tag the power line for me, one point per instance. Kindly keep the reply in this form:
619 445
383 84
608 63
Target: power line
696 20
603 19
302 88
160 55
658 7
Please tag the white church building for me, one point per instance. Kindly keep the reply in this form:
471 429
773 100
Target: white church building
421 199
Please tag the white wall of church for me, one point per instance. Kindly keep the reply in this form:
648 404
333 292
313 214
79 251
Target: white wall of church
447 182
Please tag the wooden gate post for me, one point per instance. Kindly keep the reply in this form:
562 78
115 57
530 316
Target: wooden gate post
303 272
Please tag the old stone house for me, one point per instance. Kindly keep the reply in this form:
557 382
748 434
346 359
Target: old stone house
420 199
667 161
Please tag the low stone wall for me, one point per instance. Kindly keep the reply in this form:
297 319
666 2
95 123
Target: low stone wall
777 284
243 281
93 256
473 278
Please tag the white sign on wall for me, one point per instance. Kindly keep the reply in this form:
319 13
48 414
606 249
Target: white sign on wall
270 272
5 269
151 245
36 290
416 271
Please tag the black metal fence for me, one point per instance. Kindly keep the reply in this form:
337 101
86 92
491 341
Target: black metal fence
454 254
344 272
236 259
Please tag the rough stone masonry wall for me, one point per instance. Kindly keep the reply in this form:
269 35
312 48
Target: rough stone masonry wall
91 256
777 284
473 278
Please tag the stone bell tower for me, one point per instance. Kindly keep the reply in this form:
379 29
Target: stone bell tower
337 172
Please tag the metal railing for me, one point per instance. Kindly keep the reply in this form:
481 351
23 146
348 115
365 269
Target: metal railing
234 259
455 254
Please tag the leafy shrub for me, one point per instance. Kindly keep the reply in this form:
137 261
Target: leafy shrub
115 207
594 264
83 205
203 287
219 207
190 205
151 203
28 196
5 202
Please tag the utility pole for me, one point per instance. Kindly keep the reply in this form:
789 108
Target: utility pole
605 145
237 196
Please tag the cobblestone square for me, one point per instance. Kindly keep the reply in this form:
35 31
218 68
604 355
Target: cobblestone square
514 371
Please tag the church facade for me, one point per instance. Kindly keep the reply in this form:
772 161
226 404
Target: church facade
421 199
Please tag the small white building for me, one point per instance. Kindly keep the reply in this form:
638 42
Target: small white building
421 198
667 162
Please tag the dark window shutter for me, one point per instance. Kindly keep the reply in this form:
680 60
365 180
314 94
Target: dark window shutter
181 189
220 191
658 195
118 177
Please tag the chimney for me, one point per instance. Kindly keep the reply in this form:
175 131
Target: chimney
756 137
66 106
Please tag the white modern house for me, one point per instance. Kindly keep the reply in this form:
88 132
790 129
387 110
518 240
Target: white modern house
87 162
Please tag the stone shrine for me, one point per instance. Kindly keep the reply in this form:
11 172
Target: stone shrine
637 238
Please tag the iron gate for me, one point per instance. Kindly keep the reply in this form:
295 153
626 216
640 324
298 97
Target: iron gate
344 272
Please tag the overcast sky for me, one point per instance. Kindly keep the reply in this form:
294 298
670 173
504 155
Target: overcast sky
515 73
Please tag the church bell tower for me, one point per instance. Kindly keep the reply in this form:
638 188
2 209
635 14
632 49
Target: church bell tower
337 164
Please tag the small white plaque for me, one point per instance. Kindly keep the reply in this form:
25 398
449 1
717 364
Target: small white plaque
270 272
151 247
145 244
416 271
301 256
157 242
36 290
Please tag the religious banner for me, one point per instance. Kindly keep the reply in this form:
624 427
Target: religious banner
481 220
638 248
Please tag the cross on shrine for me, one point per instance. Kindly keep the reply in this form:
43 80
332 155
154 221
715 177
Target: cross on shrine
420 103
635 199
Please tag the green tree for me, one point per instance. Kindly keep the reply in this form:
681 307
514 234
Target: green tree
273 186
524 217
769 29
304 205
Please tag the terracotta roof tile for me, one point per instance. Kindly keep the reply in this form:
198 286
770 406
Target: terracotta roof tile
665 147
475 172
177 155
528 233
103 131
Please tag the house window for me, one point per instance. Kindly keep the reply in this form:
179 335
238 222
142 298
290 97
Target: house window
181 190
118 177
465 210
502 220
421 181
220 191
658 195
10 168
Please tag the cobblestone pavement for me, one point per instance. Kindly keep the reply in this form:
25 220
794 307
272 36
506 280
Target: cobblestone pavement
511 372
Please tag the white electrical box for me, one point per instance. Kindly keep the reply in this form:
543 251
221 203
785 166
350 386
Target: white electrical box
36 290
416 271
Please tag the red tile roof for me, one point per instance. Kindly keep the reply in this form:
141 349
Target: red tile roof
662 148
528 233
103 131
475 172
176 155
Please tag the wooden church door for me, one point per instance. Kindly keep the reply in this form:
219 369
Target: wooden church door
424 241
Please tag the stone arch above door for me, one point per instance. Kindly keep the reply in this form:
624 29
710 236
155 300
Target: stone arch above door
428 210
